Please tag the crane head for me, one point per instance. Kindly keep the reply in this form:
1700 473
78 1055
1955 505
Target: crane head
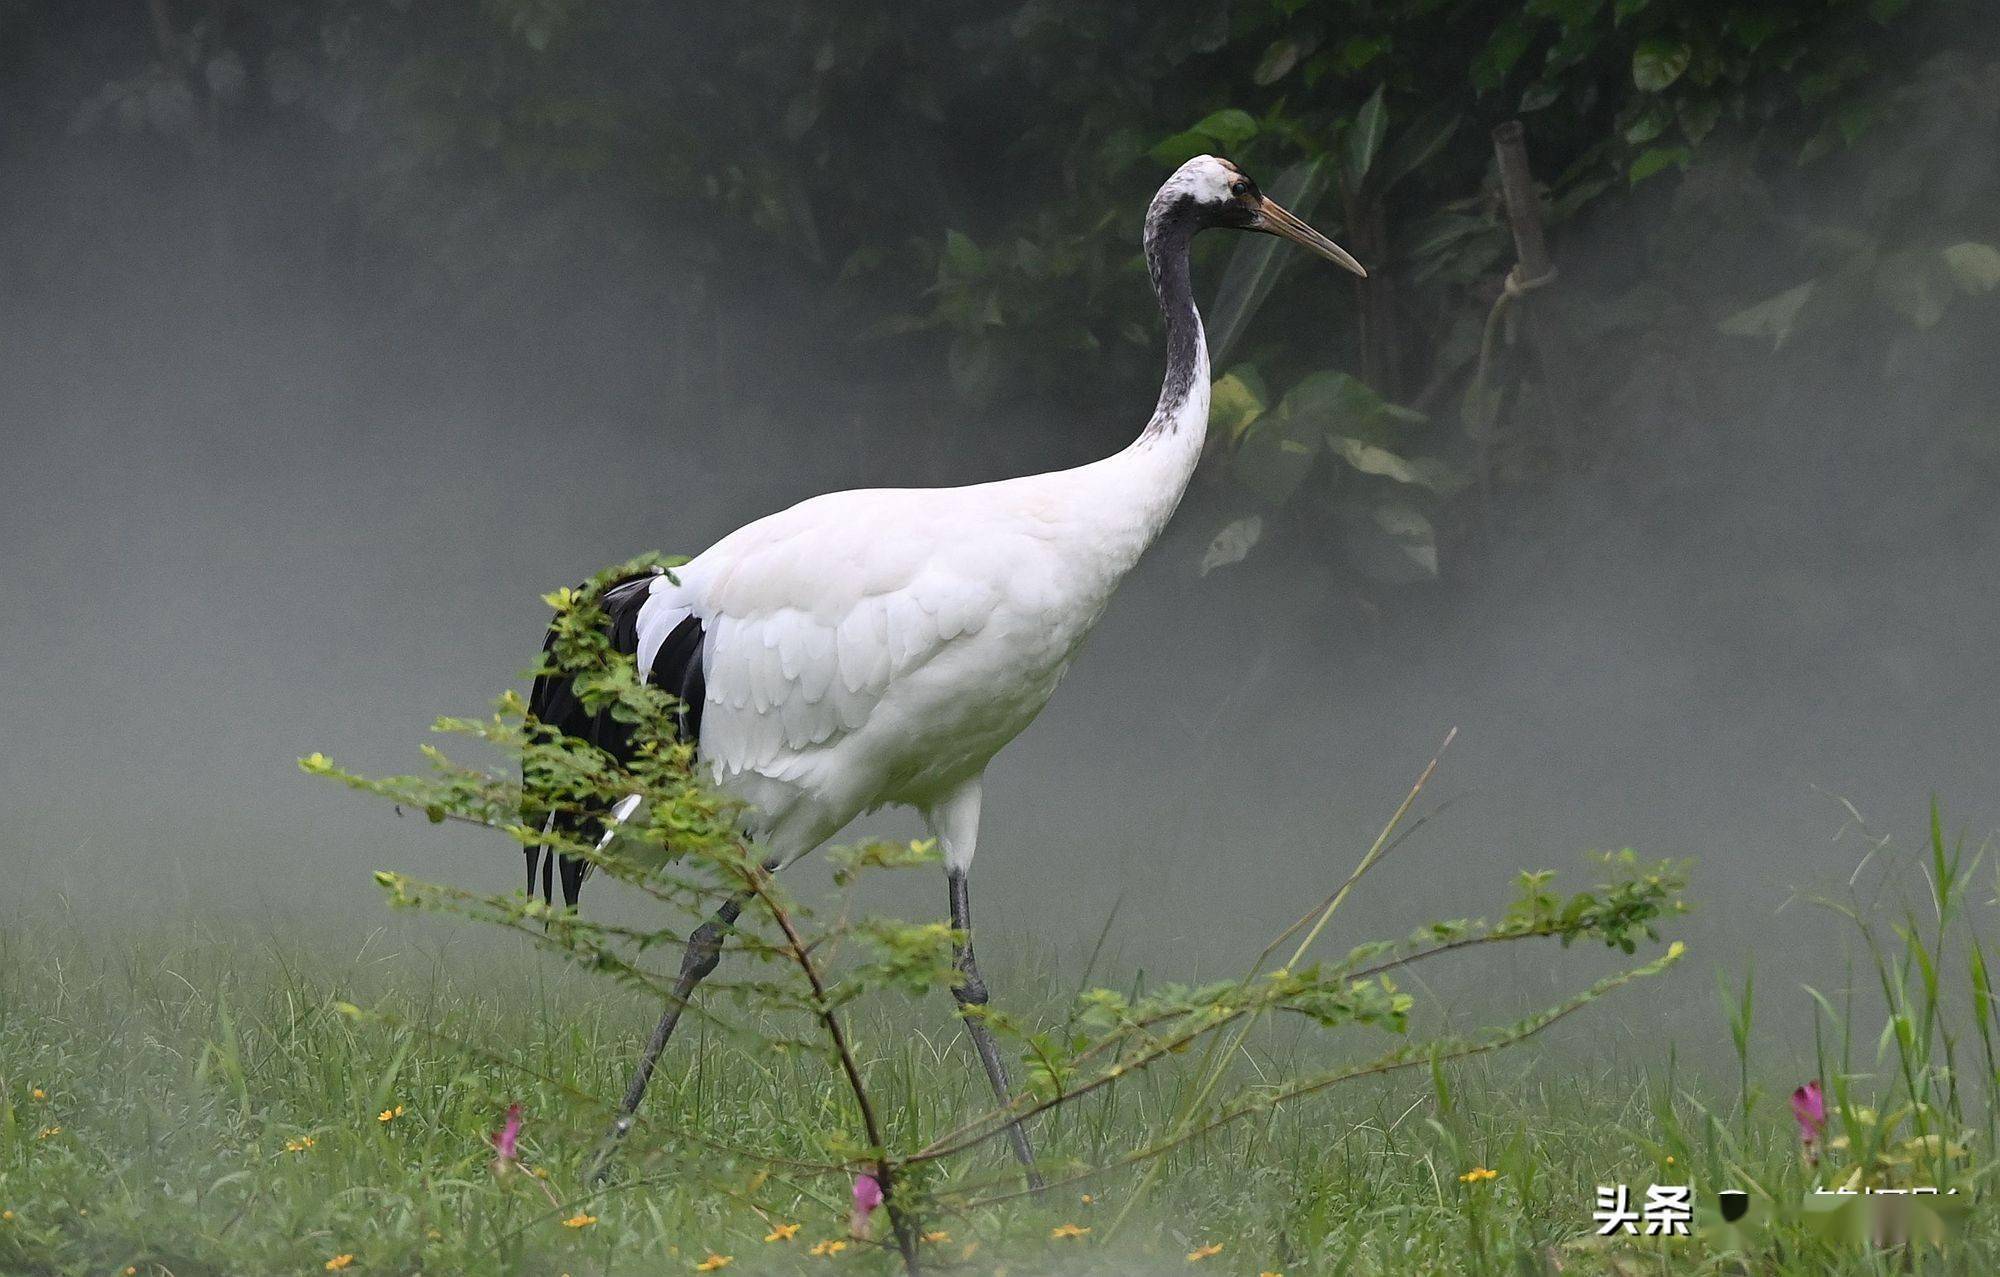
1218 193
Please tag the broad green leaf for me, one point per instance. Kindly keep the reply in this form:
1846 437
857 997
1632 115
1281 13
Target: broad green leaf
1358 52
1273 458
1658 62
1752 27
1698 117
1490 66
1179 149
1412 531
1369 458
1540 95
1415 146
1332 400
962 255
1570 13
1393 542
1229 127
1233 543
1651 121
1774 317
1277 62
1254 268
1234 402
1915 285
1364 139
1974 267
1654 159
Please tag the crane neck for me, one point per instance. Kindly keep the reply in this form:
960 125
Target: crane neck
1183 406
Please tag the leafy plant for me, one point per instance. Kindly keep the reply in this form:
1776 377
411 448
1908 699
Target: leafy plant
812 968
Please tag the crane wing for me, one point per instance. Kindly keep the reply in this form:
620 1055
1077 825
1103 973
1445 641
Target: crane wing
810 617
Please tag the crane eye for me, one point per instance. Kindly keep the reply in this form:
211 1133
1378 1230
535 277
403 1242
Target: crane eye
1239 187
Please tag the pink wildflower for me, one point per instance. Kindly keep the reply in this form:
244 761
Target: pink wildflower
1809 1109
507 1142
867 1196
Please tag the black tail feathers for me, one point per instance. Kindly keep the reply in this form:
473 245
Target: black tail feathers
552 701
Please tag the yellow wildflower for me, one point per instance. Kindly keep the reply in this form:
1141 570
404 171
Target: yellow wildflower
47 1131
579 1220
937 1236
6 1217
1268 1273
1066 1230
39 1093
1200 1253
1478 1174
713 1262
831 1246
300 1145
339 1262
782 1233
1088 1200
1670 1159
389 1115
131 1270
971 1249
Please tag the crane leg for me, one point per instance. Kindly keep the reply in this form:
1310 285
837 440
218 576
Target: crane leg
704 950
970 993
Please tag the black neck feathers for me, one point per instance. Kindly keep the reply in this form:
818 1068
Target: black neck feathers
1170 231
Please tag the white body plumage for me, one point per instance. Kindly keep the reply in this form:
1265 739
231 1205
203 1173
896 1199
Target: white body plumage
879 646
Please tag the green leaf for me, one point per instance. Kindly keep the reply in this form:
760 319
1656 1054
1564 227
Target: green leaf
1649 124
1658 62
1490 66
963 256
1358 52
1975 268
1373 459
1752 28
1540 95
1236 400
1229 127
1625 9
1274 457
1334 400
1654 159
1393 542
1364 139
1698 117
1233 543
1254 267
1915 285
1179 149
1277 62
1774 317
1416 145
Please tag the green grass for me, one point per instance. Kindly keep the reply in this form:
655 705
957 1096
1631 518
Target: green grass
180 1078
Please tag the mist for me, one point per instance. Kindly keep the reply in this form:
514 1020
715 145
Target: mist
252 510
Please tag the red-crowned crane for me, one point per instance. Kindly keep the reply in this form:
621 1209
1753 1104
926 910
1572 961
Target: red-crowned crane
878 647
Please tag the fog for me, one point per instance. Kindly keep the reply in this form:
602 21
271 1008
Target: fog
247 515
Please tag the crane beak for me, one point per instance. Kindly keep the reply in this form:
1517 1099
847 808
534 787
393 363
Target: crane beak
1272 219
